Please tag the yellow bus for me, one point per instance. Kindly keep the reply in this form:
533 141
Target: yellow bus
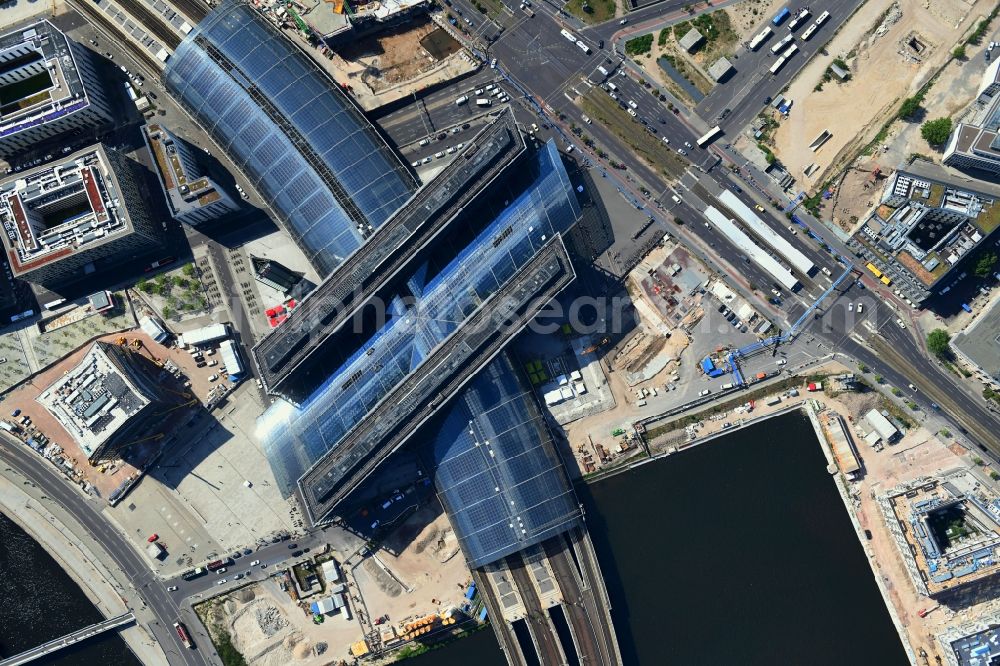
876 272
885 280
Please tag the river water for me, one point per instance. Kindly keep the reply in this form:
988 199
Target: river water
738 552
40 602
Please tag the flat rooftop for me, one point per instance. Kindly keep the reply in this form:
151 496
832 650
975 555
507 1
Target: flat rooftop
95 399
40 77
391 246
184 192
980 342
974 644
60 208
951 526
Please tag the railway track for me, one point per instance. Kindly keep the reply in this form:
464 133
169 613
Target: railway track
146 19
100 20
193 9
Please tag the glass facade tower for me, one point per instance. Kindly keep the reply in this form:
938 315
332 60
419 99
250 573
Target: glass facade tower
296 438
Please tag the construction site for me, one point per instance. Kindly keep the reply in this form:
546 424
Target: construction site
392 64
105 409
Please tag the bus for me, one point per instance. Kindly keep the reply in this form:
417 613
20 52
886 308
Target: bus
821 19
885 280
809 32
785 41
780 17
790 52
875 271
778 64
759 38
568 35
798 20
711 136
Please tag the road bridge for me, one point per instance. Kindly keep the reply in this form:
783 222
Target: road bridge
86 633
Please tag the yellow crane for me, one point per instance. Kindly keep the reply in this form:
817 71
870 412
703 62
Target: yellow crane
189 403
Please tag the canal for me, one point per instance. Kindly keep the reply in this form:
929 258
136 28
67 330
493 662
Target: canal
739 551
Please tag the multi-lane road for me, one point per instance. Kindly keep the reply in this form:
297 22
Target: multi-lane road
745 91
545 65
164 606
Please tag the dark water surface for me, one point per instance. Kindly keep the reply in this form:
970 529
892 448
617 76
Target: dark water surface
40 602
738 552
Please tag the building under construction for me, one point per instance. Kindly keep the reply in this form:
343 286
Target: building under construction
105 402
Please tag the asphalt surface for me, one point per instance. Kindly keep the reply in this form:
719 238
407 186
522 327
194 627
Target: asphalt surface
87 512
745 90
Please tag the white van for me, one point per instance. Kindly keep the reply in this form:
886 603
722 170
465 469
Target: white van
612 86
483 102
462 100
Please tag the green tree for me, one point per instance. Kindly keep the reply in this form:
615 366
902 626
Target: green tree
936 132
909 108
959 52
937 342
188 270
639 45
985 264
862 367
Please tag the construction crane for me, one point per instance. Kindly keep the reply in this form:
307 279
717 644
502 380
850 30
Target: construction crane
189 403
186 395
104 463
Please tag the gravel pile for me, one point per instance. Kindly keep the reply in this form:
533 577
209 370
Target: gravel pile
271 620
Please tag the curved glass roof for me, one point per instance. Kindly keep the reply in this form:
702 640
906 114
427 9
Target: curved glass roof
313 156
496 469
295 438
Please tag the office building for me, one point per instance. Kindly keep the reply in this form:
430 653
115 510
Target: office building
324 170
71 218
922 231
49 85
192 196
979 346
450 314
107 401
947 530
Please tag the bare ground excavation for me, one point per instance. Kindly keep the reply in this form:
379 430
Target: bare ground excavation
262 624
385 66
892 48
723 31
